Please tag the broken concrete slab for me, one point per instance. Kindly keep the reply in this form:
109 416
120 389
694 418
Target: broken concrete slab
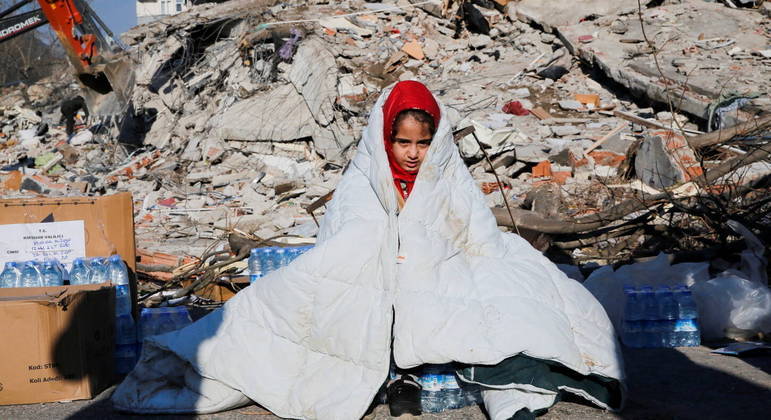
553 14
148 71
564 130
314 76
694 87
344 25
212 149
570 105
665 159
255 118
192 152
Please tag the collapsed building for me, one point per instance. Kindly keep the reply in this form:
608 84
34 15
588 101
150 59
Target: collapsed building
602 133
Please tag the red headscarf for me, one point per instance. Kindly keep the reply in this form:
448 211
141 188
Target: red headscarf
405 95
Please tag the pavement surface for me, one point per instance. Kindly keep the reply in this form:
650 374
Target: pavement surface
683 383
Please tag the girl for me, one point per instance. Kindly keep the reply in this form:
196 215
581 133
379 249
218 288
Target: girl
409 265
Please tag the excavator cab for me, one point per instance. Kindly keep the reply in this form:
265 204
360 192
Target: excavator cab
100 61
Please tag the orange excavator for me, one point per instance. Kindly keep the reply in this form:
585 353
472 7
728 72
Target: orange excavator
99 60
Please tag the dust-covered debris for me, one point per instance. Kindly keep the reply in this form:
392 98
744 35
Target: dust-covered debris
245 112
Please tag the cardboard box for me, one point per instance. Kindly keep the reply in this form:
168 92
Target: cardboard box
57 343
108 221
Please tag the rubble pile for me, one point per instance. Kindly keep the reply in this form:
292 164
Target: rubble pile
244 113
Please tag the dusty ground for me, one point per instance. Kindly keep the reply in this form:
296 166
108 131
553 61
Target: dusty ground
687 383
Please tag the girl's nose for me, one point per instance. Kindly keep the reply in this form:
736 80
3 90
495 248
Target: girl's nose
412 152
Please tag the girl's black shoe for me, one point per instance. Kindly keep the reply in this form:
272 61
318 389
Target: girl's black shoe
403 396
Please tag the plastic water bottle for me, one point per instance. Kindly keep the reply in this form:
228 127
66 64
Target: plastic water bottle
294 252
65 275
688 332
62 270
51 275
181 317
11 275
442 391
685 303
632 333
687 326
431 397
125 343
118 275
30 275
80 273
451 391
164 321
255 268
156 321
651 336
267 260
668 314
650 308
281 256
126 350
99 271
668 307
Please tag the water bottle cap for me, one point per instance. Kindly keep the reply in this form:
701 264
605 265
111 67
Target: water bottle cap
77 261
114 258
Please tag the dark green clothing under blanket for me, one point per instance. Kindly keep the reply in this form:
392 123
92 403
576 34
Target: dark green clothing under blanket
543 374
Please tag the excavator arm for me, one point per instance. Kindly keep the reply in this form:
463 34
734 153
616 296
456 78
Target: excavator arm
14 26
97 57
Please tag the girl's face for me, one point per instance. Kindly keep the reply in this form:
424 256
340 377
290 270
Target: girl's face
410 143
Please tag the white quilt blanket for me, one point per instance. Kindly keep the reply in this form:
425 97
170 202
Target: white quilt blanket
313 340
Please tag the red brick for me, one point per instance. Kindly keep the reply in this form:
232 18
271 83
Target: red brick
542 169
606 158
561 176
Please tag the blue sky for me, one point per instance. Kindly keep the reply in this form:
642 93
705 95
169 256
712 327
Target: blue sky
119 15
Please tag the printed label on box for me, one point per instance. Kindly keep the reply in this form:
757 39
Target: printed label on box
63 241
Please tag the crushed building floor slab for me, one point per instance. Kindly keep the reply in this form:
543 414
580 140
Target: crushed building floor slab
705 53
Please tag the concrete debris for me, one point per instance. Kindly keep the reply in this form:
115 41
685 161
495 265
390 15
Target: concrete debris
692 58
665 159
314 76
254 119
239 125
